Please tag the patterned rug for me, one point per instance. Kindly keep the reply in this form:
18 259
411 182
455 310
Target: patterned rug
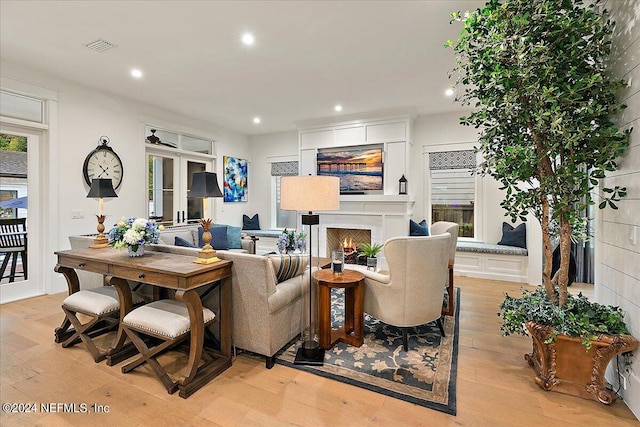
425 375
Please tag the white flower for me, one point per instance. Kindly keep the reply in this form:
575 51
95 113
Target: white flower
139 224
131 236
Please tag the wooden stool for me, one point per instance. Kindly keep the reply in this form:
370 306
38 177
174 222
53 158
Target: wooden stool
167 320
103 306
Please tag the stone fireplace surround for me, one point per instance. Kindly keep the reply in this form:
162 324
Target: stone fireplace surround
385 216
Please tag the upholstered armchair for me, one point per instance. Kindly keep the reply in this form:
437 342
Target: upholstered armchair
442 227
411 293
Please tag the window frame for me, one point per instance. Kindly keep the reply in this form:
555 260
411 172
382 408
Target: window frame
478 222
273 202
180 158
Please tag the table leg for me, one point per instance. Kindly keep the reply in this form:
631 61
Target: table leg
194 306
358 314
348 310
118 351
62 332
324 316
224 289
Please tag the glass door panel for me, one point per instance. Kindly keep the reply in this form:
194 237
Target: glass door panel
195 207
161 189
13 205
20 245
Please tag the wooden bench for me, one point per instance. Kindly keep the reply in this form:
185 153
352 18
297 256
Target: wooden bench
490 261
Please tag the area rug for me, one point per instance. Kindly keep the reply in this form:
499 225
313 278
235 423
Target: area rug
425 375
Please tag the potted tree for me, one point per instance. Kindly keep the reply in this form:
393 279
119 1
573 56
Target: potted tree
536 73
370 251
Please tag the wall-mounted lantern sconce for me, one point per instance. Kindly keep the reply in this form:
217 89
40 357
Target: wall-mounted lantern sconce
402 185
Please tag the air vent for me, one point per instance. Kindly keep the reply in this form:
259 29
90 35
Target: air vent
100 45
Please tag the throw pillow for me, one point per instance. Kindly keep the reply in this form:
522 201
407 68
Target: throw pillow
514 236
234 236
179 241
218 237
418 229
287 266
252 223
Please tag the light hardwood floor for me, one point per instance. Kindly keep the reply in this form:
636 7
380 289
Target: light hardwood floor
495 385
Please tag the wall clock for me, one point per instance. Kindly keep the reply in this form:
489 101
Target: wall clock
103 162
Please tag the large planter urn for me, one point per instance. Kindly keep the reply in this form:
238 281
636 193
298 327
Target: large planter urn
565 366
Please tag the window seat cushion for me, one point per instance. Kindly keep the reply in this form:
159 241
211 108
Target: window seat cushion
264 233
464 246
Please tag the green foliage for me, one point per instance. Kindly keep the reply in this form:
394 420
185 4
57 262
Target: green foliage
370 250
13 142
578 318
536 74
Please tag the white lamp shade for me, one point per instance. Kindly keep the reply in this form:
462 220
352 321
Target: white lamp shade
310 193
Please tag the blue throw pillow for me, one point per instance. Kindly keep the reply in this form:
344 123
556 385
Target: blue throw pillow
234 237
420 229
252 223
219 239
514 236
179 241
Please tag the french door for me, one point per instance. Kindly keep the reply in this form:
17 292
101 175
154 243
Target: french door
170 177
20 194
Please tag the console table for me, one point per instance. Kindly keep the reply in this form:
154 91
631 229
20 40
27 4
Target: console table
162 270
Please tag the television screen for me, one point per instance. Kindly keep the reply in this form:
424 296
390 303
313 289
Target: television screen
359 168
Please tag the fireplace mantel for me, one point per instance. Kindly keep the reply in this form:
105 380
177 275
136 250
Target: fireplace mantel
385 215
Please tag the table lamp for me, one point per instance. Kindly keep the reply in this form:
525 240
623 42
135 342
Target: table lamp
205 185
310 193
101 188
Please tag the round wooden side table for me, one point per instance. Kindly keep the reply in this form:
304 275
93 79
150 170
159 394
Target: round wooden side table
352 332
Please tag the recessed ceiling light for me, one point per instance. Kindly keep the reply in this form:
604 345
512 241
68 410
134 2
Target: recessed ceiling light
136 73
338 108
449 92
247 38
256 120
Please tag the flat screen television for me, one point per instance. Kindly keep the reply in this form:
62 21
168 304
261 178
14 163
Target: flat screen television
360 169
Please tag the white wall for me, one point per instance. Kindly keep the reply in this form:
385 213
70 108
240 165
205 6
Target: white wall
84 115
617 280
263 148
446 129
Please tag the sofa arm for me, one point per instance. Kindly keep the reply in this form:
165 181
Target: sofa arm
288 291
368 274
248 244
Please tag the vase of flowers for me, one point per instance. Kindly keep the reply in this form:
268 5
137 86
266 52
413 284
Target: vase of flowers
133 234
292 242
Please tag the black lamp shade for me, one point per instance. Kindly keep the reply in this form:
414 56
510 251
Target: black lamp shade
205 184
101 188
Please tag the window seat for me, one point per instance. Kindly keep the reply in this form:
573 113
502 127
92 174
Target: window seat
489 248
491 261
266 240
263 233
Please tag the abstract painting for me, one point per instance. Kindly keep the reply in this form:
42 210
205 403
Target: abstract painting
235 179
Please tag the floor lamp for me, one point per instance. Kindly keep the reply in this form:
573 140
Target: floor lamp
203 186
310 193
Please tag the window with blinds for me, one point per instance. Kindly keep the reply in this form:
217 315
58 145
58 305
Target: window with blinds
453 188
283 219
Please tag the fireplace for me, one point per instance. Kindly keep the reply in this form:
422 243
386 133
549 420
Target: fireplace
347 240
